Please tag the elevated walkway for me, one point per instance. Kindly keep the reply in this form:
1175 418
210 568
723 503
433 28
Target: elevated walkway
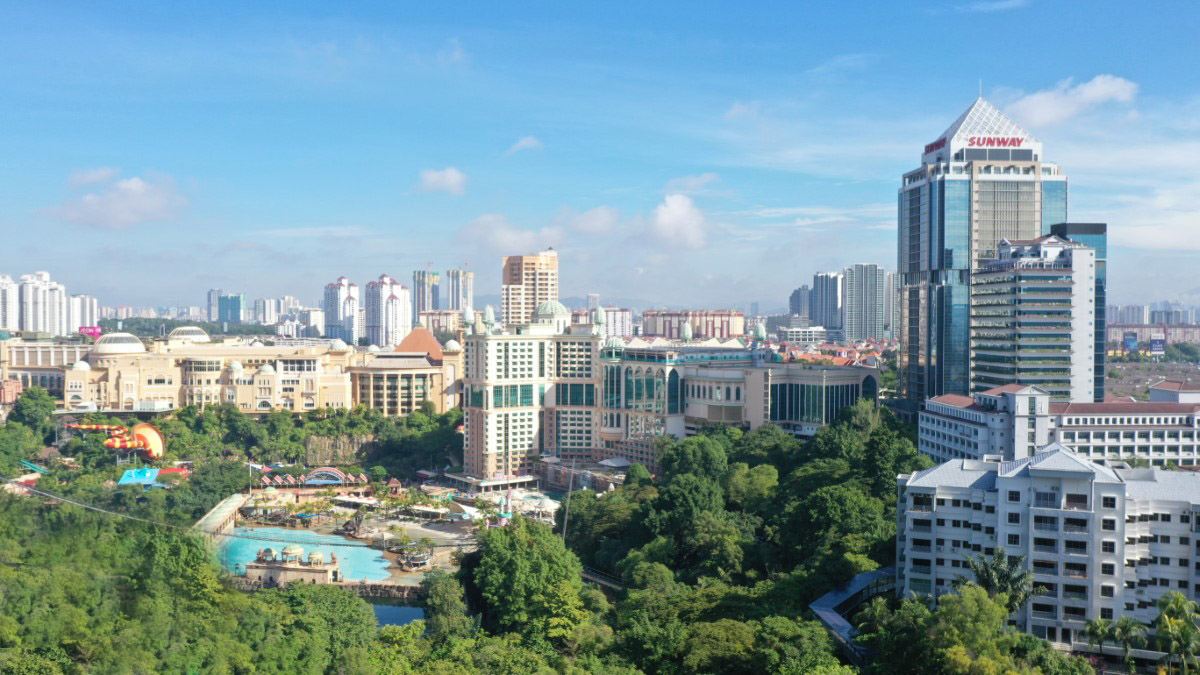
221 518
833 608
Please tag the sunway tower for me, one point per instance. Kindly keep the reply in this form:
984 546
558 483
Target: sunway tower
982 181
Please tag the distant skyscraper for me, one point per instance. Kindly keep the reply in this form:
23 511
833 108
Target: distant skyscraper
863 298
42 304
982 181
389 314
214 297
460 289
1095 237
231 308
341 311
825 307
754 309
798 302
1134 314
266 311
593 300
526 281
82 310
10 304
425 291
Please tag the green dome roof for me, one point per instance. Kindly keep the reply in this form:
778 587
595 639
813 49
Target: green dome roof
292 549
550 309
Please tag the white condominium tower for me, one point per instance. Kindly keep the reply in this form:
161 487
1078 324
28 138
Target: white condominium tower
43 304
389 311
460 289
1033 318
1102 542
864 297
425 291
341 311
10 304
983 180
825 307
526 282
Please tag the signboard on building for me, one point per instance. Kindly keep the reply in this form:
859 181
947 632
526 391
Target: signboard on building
91 331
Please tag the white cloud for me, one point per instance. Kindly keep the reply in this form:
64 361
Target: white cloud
452 53
678 221
449 180
743 109
992 5
524 143
1066 100
691 184
599 220
495 234
127 202
101 174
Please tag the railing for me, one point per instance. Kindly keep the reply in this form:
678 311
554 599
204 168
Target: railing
920 548
1043 527
1079 529
1075 574
921 569
920 528
1045 615
1043 548
1046 504
1074 596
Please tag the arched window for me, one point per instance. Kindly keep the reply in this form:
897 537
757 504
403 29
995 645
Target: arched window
737 393
673 393
728 394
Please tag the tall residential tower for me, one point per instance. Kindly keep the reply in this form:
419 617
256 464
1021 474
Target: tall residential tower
982 181
526 282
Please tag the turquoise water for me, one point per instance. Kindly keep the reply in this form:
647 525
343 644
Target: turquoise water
357 562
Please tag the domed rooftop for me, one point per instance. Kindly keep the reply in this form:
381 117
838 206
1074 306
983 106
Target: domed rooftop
760 332
190 333
292 549
338 346
268 553
236 365
316 557
614 342
550 309
373 348
81 365
256 343
452 346
489 314
686 332
601 316
118 343
266 369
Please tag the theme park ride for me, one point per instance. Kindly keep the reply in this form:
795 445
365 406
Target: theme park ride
144 438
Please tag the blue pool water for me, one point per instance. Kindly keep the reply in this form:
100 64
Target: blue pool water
357 563
396 615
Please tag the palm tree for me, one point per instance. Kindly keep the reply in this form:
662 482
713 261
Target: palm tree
1002 573
1129 632
1098 632
1175 629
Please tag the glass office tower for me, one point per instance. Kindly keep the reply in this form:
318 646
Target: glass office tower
1094 236
982 181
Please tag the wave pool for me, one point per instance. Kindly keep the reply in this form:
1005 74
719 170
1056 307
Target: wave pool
356 560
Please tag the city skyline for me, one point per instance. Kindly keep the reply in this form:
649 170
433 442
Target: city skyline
713 198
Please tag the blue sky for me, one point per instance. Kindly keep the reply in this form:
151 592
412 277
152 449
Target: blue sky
683 153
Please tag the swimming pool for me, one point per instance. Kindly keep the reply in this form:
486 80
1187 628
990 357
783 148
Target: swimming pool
356 560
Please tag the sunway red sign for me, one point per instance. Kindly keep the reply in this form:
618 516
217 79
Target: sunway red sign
936 145
994 141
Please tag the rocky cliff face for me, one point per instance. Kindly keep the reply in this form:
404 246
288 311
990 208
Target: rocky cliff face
337 450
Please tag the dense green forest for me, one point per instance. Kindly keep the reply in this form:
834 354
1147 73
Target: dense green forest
721 555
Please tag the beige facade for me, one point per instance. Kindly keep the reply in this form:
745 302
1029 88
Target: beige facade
526 282
279 569
397 383
442 320
706 323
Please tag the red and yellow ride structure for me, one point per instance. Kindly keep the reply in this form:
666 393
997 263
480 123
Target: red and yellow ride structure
143 437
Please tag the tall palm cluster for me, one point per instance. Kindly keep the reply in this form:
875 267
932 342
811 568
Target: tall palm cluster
1002 574
1176 633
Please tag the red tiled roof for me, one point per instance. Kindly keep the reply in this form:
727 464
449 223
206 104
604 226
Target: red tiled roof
956 400
1124 408
1007 389
1173 385
420 341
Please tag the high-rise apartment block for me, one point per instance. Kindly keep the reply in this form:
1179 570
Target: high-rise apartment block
982 181
864 293
231 308
426 291
42 304
825 306
388 311
341 304
526 281
1095 237
460 289
1033 318
10 304
82 310
1101 541
698 323
798 302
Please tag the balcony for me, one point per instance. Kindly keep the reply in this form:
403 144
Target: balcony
1076 529
1041 503
920 528
1074 573
920 548
921 569
1043 548
1044 615
1074 595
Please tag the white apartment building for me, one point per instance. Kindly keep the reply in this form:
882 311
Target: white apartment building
42 304
1014 420
389 309
527 281
825 305
460 289
1033 318
1102 541
82 310
341 307
864 292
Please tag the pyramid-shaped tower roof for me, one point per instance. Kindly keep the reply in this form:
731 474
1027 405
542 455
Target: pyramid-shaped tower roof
981 126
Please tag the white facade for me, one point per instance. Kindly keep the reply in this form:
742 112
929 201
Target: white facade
10 304
341 307
43 304
82 310
802 335
1012 421
388 311
1033 318
864 293
1102 542
460 289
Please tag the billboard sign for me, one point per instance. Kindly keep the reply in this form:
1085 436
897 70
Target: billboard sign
1130 342
91 331
1158 345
